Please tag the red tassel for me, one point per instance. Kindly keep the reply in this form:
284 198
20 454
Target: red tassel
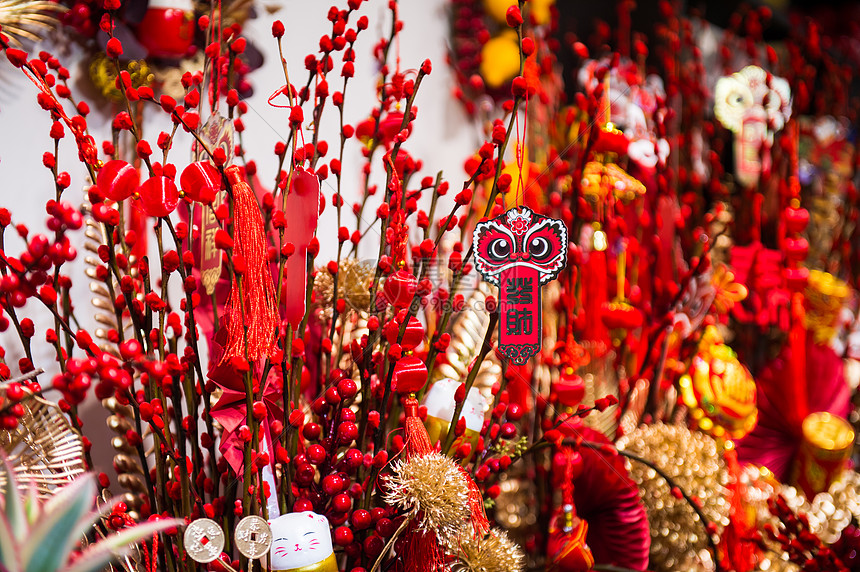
418 443
480 522
421 552
417 439
255 308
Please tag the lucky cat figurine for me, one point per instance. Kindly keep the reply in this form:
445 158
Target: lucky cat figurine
301 541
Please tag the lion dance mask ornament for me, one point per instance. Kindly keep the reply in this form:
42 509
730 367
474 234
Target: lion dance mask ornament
519 252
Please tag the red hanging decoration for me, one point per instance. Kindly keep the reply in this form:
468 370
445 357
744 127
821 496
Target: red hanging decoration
252 308
303 204
520 251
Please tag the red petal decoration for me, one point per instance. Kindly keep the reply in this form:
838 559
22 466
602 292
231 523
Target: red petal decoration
117 180
608 500
158 196
200 182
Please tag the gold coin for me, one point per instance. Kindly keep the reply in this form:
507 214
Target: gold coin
204 540
253 537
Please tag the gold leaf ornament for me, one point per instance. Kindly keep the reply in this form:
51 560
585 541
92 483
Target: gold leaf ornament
28 19
44 450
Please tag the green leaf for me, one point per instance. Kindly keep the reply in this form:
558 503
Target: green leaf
99 555
59 529
13 505
10 559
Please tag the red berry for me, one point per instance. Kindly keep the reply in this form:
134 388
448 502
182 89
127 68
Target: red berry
311 431
333 484
361 519
316 454
347 388
341 502
343 536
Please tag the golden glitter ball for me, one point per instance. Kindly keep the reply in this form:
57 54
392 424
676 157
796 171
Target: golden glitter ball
692 460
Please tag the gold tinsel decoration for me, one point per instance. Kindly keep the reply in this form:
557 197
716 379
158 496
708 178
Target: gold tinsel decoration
28 19
433 486
494 552
692 460
354 281
45 451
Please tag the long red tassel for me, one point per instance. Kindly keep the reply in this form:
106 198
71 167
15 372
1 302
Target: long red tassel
421 552
254 308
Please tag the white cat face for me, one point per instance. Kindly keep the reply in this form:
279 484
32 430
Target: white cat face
299 539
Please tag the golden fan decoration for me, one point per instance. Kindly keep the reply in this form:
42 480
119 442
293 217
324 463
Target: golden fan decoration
129 472
96 236
45 451
27 19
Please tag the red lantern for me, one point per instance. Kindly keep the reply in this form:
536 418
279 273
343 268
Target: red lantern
117 180
796 278
796 219
796 249
159 196
167 28
412 336
410 375
200 182
399 288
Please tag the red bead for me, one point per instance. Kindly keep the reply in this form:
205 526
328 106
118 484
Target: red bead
302 505
117 180
410 375
360 519
332 396
158 196
311 431
347 432
343 536
399 288
347 388
515 412
259 410
166 32
508 430
305 474
341 502
316 454
333 484
373 545
354 459
384 527
200 181
377 513
796 219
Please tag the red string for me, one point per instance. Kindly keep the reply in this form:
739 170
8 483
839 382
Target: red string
519 197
